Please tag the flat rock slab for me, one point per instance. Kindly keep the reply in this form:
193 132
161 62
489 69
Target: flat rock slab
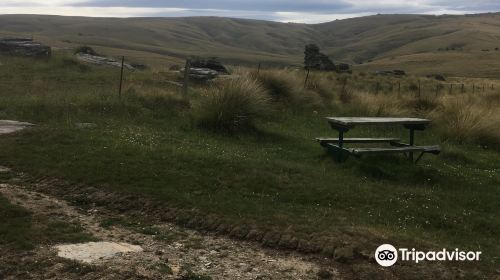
94 251
7 126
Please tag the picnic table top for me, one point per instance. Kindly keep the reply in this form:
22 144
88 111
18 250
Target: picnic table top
351 121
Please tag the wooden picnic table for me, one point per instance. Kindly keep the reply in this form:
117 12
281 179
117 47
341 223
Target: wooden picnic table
344 124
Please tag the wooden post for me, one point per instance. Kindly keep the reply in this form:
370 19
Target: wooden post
258 69
412 141
307 78
121 79
463 88
399 88
187 69
473 88
419 89
451 89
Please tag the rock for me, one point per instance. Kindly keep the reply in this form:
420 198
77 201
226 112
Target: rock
99 60
211 63
7 126
437 77
399 72
314 59
93 251
343 67
139 66
202 73
24 47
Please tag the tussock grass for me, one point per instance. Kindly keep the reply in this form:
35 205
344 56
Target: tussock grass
466 119
233 105
287 88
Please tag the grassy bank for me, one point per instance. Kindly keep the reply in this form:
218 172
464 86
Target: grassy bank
271 172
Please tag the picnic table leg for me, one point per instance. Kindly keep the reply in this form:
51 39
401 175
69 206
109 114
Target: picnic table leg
341 138
412 141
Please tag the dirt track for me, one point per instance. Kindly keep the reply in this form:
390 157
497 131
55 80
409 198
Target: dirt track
169 251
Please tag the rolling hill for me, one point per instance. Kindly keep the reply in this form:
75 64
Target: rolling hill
420 44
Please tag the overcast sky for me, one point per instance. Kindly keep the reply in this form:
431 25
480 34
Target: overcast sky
309 11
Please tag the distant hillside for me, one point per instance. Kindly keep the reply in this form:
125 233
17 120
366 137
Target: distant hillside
452 45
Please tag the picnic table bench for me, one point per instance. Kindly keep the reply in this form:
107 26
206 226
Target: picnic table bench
343 125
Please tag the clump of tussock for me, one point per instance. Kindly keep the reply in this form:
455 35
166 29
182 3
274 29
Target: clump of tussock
233 105
422 105
288 89
465 119
322 86
374 105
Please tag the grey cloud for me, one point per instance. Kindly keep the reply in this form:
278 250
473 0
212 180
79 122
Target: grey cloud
256 5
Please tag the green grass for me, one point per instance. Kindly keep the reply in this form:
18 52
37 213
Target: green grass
21 230
15 224
275 176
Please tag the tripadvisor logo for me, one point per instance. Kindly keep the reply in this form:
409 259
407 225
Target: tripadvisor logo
387 255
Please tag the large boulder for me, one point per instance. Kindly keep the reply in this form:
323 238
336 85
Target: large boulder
202 74
24 47
99 60
211 63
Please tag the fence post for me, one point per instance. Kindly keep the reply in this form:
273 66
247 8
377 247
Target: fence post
419 89
187 69
399 88
473 88
121 79
307 77
258 69
463 88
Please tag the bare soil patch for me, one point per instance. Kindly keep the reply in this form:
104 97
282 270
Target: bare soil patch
169 251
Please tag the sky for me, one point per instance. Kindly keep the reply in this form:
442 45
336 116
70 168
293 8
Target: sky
303 11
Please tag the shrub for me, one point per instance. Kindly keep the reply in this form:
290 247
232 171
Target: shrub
233 105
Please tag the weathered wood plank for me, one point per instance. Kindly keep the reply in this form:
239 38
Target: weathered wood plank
358 140
352 121
427 149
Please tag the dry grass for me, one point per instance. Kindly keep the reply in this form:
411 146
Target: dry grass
287 88
468 119
233 105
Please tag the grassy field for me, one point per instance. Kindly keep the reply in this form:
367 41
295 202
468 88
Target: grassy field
267 171
464 46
